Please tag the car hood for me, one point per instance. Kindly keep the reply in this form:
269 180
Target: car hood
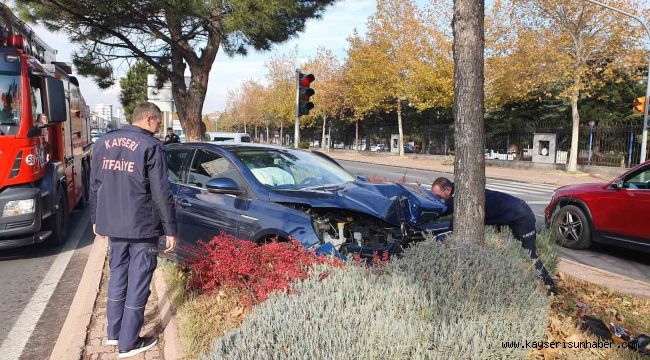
393 203
581 187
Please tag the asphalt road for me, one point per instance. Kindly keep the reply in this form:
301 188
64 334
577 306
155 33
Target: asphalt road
617 260
37 286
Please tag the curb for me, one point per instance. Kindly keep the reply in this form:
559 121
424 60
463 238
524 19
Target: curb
72 338
364 161
172 348
605 278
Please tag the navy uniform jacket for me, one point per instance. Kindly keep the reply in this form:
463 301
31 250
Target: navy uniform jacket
500 208
172 139
130 195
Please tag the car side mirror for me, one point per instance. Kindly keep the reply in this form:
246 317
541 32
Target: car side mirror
362 178
223 186
618 184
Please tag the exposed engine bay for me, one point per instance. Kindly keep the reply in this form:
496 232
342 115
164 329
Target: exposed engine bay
353 230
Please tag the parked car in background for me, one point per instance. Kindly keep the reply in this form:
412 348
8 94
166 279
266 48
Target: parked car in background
613 213
96 134
261 192
228 136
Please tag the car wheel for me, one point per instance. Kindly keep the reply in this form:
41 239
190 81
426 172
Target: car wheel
85 188
571 228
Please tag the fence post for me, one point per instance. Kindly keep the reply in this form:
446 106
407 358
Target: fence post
630 149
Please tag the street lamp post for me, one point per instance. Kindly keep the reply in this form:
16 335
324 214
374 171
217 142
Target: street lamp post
644 137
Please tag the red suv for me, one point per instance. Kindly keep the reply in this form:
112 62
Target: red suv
615 213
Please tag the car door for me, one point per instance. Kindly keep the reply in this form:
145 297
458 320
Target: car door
177 160
206 215
629 207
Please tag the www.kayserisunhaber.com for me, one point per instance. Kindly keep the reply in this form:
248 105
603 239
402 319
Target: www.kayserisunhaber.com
539 345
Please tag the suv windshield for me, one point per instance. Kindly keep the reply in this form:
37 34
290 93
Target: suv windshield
10 102
287 169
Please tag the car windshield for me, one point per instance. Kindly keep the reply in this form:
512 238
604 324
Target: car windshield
11 102
290 169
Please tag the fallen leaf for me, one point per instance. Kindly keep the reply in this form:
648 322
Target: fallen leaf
550 354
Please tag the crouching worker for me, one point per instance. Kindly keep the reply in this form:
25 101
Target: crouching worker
131 203
502 209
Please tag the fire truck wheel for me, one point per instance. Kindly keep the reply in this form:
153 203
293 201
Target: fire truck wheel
85 190
57 223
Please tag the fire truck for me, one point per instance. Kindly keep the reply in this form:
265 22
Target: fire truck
45 145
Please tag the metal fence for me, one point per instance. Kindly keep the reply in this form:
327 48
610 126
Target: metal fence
615 146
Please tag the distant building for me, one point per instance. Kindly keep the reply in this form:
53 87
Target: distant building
120 115
104 114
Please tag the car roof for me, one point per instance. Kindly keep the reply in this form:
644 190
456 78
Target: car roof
229 145
226 133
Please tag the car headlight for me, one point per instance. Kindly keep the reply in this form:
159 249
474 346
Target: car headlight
553 194
19 207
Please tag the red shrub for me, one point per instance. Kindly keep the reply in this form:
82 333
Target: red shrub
254 270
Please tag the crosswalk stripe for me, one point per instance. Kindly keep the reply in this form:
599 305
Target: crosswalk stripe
496 188
505 190
548 188
520 188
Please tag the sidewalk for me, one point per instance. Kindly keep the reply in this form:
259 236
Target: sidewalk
96 348
554 177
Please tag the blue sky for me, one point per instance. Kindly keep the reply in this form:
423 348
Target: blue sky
331 31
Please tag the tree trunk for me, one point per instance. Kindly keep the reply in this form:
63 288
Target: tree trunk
189 104
399 127
469 164
268 141
356 137
575 116
322 143
281 133
256 133
329 131
245 130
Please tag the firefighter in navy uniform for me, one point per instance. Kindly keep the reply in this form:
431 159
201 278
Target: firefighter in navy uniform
132 204
171 138
502 209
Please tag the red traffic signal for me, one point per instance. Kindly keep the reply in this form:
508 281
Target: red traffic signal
304 93
306 80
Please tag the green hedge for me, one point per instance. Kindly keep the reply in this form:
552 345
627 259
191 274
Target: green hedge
452 300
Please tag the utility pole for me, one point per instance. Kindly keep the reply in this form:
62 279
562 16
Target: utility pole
296 131
644 137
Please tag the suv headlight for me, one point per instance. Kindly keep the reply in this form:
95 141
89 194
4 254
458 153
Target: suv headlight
19 207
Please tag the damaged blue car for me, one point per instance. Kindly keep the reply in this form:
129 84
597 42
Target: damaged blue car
262 192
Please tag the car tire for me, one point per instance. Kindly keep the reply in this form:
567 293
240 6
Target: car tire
85 188
571 228
57 223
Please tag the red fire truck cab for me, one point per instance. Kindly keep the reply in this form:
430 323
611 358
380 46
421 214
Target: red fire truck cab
45 143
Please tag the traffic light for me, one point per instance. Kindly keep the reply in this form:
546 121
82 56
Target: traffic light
639 104
304 93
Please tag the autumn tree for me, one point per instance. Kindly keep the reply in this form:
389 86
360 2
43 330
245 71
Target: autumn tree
280 104
330 100
469 163
398 62
171 36
133 87
562 47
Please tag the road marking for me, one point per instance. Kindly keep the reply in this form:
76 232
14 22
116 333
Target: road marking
506 190
537 202
520 187
13 346
535 185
